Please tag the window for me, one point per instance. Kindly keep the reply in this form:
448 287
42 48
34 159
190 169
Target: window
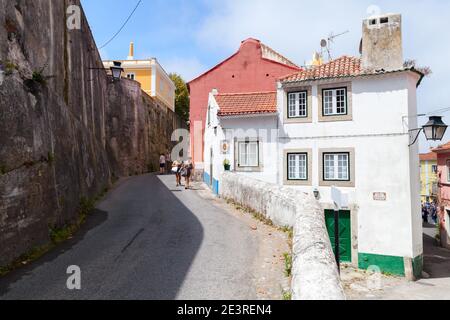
131 76
336 167
298 104
434 168
334 102
297 166
384 20
248 154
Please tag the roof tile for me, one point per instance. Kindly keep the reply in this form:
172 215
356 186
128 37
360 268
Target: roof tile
342 67
234 104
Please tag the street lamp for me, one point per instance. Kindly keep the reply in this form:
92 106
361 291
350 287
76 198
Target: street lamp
434 129
116 70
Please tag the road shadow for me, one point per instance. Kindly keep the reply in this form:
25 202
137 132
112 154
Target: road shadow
436 260
139 244
95 218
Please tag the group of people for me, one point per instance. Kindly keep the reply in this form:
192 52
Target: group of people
429 210
179 168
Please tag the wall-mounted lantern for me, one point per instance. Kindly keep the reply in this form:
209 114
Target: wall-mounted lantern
116 70
316 193
434 130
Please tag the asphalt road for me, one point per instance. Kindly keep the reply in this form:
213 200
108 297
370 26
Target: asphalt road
147 240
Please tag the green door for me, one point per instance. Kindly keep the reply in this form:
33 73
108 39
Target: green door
345 234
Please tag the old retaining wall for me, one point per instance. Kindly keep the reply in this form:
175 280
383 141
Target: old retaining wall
65 129
314 271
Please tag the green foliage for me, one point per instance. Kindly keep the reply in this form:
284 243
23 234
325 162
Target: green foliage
287 295
181 96
287 264
226 162
38 77
33 254
8 67
289 231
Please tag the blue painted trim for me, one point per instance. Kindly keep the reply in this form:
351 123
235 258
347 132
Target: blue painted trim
206 178
215 186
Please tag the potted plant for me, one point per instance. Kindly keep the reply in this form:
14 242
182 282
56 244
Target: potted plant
226 165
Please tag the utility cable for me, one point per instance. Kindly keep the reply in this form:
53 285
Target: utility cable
123 26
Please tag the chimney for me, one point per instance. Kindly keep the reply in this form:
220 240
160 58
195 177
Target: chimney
382 43
131 53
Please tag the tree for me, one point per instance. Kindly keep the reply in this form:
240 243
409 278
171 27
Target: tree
181 96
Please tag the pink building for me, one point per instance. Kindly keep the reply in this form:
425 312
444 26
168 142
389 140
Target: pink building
255 67
443 162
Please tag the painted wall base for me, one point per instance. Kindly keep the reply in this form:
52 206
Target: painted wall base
215 183
399 266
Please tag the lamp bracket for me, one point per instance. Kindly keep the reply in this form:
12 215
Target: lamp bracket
417 135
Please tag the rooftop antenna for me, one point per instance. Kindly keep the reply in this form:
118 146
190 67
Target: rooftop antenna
326 43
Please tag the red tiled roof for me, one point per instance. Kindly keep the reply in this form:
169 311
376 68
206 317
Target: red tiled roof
342 67
444 147
233 104
428 156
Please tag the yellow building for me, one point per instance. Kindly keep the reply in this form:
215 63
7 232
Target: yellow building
151 75
428 177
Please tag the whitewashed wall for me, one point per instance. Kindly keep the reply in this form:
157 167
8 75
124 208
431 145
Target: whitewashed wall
383 161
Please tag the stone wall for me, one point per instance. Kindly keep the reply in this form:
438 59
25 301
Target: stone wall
314 271
66 129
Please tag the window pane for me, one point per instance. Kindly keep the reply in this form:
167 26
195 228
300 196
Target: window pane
253 154
292 111
302 104
329 167
242 154
248 154
335 101
297 166
297 104
328 102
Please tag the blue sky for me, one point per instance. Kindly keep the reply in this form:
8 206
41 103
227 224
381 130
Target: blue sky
190 36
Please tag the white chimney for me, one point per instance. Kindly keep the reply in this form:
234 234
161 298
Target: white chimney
382 43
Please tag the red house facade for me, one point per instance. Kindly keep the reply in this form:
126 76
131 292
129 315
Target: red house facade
443 162
255 67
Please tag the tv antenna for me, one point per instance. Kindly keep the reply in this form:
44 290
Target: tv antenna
326 43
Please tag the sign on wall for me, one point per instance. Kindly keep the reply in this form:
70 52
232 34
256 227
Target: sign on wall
379 196
225 146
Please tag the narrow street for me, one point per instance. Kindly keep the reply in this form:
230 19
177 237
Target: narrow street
150 240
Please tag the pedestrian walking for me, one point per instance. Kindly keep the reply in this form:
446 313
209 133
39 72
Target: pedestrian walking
162 163
424 214
176 168
188 166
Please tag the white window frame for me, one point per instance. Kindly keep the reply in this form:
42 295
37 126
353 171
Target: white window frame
336 166
296 160
243 155
330 107
131 75
297 104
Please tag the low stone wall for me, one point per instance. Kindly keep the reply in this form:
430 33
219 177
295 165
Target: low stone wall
314 272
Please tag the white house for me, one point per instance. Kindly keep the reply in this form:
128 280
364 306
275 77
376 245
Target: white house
346 124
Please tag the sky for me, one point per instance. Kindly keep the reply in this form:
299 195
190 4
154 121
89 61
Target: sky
191 36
